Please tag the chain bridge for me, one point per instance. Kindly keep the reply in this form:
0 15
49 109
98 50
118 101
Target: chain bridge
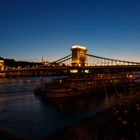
81 61
95 61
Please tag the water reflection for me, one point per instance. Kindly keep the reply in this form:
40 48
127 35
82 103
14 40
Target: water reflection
26 114
89 103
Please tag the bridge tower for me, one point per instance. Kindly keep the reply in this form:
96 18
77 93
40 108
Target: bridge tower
78 55
1 65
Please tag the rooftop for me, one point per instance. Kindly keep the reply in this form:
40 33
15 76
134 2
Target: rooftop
2 61
78 47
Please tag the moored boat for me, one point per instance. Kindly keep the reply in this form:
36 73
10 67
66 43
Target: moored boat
69 87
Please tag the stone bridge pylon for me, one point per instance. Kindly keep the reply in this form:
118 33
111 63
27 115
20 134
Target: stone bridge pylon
79 54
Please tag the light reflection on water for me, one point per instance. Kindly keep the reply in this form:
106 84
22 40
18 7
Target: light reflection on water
33 117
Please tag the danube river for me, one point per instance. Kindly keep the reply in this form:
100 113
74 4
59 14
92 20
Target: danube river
30 116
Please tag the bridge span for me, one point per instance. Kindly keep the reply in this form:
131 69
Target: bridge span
79 61
66 70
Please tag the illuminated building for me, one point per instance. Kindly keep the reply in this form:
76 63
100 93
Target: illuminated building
44 62
78 55
1 65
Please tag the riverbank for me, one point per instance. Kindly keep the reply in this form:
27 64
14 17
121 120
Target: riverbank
120 122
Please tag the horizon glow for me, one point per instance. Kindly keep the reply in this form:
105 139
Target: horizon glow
32 29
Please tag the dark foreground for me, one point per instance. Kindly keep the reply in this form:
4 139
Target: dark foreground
121 122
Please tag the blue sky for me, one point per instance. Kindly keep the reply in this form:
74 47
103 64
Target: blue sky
30 29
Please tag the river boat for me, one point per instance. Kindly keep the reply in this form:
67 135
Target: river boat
133 76
69 87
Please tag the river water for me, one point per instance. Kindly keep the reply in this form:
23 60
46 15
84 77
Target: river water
30 116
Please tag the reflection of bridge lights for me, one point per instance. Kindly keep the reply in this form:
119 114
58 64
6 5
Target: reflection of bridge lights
86 71
74 71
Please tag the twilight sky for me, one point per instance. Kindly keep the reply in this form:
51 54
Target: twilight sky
30 29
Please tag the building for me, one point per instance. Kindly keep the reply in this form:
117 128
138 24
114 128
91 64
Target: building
1 65
45 62
78 55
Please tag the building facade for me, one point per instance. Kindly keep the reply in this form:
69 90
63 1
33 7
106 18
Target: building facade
78 55
1 65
